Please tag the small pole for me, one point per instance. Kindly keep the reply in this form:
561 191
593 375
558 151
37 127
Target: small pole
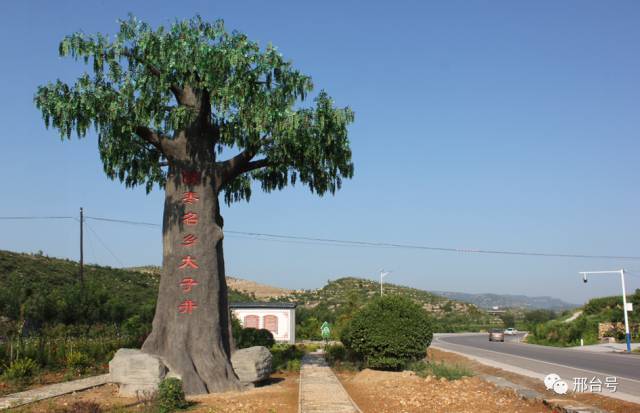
624 309
81 248
383 274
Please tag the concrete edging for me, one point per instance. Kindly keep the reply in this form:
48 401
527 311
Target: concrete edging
51 390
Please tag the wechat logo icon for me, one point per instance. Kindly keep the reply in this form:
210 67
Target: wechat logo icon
554 382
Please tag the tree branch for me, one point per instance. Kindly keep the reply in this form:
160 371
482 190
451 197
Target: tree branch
150 136
260 163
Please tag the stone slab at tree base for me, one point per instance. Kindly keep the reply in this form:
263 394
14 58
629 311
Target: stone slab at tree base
252 365
138 374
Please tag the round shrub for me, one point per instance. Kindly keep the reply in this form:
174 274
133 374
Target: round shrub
171 396
388 333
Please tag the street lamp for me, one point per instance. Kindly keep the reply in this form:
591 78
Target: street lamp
624 299
383 274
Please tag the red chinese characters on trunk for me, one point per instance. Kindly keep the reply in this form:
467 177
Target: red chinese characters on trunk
189 262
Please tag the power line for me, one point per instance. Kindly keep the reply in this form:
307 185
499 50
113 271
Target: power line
31 218
104 244
340 242
431 248
123 221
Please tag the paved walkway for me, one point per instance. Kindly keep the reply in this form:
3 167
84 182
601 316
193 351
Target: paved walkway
320 390
52 390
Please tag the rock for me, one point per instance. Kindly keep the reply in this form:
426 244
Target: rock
252 364
136 373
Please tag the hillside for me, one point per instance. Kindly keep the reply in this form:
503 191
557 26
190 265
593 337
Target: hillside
586 324
339 298
250 288
509 301
46 290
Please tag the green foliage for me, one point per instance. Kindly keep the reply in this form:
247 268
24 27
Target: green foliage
338 357
538 316
42 291
286 357
163 82
508 319
334 353
595 311
171 396
250 337
439 370
389 332
78 360
21 368
558 333
54 353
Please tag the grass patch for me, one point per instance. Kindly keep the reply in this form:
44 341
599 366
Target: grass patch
440 370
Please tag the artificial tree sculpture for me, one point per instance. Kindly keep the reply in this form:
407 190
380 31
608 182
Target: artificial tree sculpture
166 104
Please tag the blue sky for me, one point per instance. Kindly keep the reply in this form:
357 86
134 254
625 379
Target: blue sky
479 124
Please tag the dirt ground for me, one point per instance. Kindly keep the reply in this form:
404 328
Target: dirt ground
280 395
605 403
383 391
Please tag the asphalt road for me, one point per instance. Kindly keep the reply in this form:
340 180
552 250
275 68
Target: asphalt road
542 360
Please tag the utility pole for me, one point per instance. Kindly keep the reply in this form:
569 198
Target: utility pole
383 274
81 248
624 299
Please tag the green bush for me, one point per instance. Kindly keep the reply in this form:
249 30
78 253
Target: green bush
171 396
283 355
250 337
21 369
388 333
335 353
78 360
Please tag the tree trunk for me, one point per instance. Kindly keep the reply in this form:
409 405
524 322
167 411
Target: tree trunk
191 327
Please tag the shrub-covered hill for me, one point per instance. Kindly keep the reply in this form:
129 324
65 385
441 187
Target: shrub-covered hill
36 289
343 296
566 332
343 290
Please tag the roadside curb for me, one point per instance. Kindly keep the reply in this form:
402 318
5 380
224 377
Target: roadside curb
525 393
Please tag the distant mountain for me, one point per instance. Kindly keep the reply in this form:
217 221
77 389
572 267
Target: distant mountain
509 301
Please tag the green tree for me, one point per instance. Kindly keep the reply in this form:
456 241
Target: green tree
167 103
509 319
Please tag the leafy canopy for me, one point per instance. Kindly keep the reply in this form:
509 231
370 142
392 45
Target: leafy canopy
148 92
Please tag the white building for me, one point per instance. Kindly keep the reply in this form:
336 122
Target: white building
279 318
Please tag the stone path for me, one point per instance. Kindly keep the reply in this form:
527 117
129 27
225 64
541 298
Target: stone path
320 390
51 390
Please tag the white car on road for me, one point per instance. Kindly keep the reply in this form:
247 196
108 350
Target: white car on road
511 331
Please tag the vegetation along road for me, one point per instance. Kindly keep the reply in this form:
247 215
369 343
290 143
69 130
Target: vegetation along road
538 361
